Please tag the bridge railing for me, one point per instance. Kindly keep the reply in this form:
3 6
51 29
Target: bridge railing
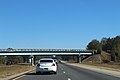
27 50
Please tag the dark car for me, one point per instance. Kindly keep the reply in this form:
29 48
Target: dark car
9 63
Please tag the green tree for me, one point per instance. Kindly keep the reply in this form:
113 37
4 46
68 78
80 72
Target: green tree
94 45
26 58
15 59
116 48
2 59
107 44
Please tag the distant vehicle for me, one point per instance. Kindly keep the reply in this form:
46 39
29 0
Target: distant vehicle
59 61
9 63
46 65
56 61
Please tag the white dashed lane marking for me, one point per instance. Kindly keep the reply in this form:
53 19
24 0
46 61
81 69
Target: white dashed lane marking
64 72
69 79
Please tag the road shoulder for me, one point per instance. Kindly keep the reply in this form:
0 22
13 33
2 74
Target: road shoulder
102 70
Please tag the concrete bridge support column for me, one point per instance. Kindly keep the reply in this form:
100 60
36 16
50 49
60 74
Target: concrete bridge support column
32 60
79 59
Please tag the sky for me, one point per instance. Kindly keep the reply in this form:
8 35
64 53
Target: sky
49 24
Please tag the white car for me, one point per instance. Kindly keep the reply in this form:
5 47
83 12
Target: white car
46 65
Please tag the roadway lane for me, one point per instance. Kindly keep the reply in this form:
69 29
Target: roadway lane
67 72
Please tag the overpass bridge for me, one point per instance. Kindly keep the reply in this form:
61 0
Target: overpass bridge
40 51
35 52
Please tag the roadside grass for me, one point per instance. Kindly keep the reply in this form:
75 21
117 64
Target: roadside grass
13 69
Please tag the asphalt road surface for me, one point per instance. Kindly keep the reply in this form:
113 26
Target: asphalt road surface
67 72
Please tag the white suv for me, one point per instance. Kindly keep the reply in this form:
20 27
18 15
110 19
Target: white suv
46 65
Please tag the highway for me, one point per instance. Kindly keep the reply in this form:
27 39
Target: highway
68 72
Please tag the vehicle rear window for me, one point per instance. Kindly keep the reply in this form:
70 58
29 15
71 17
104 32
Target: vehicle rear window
46 60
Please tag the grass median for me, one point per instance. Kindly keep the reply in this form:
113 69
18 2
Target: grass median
6 71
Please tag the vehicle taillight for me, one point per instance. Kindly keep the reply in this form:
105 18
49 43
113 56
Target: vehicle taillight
53 64
38 64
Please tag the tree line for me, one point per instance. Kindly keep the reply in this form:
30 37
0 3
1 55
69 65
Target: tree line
13 59
109 45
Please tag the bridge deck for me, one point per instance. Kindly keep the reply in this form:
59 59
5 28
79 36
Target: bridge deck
44 51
